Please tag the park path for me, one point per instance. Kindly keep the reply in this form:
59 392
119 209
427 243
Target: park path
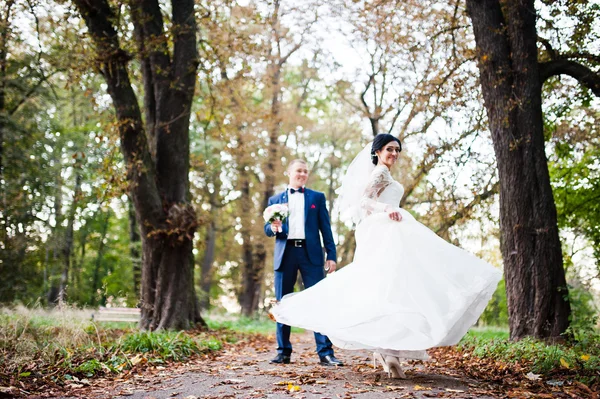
242 370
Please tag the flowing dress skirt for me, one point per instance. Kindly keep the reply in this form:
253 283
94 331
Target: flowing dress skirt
407 290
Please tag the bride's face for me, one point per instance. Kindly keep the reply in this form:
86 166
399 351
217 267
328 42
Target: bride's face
389 154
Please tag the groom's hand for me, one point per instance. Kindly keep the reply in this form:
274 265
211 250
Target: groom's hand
276 226
330 266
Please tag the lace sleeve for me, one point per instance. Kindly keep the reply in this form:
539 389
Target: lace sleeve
379 181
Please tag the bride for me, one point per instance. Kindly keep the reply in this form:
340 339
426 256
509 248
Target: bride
406 290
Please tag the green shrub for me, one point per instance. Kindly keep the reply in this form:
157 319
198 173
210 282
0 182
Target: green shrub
541 357
89 368
166 344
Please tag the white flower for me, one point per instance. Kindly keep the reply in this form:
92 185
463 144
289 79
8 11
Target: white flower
276 212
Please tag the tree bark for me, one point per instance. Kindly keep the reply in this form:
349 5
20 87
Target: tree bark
158 181
505 36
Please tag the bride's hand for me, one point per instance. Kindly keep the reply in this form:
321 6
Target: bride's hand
395 214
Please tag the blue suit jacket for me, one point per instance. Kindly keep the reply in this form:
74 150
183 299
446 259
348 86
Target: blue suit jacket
316 219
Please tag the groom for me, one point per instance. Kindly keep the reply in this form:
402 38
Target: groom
298 248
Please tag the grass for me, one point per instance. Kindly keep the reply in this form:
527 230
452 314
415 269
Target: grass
64 343
253 325
578 358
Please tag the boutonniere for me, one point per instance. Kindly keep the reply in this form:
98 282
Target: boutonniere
313 206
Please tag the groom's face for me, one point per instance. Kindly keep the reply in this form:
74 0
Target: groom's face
298 174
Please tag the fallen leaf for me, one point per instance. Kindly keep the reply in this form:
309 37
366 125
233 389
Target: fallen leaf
393 388
532 377
420 388
137 359
293 388
231 381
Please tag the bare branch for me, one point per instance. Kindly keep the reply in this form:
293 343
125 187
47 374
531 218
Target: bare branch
551 52
364 93
467 209
31 91
583 74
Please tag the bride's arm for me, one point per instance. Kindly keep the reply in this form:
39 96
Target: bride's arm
377 184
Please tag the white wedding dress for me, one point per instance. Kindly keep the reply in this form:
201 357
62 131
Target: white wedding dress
406 290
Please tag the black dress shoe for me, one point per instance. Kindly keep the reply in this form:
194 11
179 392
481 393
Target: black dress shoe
281 359
330 360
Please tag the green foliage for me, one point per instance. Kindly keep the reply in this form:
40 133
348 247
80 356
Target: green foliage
582 357
169 345
65 342
496 312
89 368
259 325
584 316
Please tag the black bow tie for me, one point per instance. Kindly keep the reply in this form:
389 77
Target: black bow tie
300 190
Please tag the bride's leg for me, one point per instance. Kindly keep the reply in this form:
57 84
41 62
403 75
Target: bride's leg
379 357
393 364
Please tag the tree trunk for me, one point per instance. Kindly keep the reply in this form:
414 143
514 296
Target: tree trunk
252 273
505 36
99 256
206 269
158 179
57 243
256 254
67 248
4 36
134 249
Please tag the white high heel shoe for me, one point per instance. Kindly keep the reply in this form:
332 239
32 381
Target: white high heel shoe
390 364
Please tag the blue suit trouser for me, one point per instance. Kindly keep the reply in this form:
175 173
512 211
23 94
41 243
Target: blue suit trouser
296 259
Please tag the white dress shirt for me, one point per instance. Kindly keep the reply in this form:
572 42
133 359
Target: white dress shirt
296 216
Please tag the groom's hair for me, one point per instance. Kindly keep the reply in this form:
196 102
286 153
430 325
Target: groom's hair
295 161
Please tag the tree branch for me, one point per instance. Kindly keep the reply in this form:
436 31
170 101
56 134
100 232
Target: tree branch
466 210
583 74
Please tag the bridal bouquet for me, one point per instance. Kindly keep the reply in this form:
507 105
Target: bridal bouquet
276 212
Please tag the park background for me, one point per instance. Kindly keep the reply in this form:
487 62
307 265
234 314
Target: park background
173 132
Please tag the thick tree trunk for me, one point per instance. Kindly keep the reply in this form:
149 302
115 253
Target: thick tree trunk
159 181
505 36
